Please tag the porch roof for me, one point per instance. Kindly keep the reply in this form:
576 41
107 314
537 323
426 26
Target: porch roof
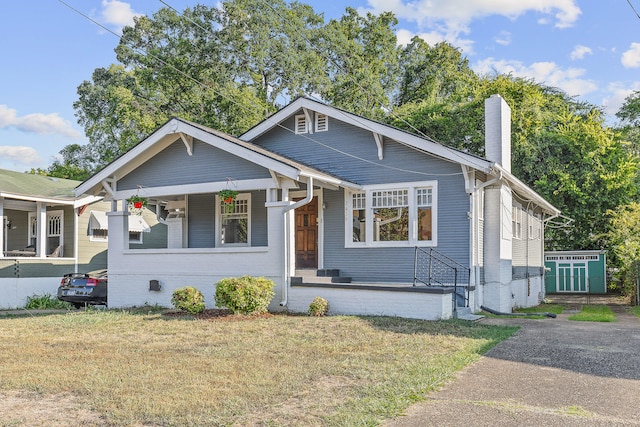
177 128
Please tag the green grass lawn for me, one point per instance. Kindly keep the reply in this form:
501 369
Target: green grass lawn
148 368
594 313
635 311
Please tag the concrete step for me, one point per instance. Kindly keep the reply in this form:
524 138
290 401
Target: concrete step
464 313
319 276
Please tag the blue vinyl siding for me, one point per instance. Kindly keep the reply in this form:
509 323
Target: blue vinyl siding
201 219
202 216
173 166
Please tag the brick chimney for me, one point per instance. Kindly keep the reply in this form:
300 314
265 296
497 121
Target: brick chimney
497 131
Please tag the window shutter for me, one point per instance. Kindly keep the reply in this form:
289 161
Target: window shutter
322 122
301 124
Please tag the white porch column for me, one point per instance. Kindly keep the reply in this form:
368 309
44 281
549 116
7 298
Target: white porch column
41 232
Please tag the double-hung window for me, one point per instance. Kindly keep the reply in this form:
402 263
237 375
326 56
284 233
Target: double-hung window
392 215
234 221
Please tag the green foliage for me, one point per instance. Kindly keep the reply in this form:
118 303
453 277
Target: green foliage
188 299
45 302
319 307
623 240
245 295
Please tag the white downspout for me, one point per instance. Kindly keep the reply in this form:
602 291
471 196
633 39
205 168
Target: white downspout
285 276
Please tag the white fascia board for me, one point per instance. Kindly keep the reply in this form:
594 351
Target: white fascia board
329 180
205 187
37 199
87 201
523 189
398 135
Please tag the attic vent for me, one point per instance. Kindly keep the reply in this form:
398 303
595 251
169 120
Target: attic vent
301 125
322 122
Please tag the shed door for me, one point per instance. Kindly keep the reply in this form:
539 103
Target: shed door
572 277
306 218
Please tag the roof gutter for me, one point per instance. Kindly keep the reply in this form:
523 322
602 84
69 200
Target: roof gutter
286 278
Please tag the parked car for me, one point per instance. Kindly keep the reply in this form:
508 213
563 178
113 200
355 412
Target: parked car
83 289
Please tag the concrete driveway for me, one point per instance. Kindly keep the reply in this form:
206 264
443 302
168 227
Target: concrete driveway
552 372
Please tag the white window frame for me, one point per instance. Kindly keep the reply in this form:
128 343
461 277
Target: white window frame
33 230
105 239
412 205
516 222
301 125
220 214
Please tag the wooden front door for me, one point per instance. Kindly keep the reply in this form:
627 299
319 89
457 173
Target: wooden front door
307 235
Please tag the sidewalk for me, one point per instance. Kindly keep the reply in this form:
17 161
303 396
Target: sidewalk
552 372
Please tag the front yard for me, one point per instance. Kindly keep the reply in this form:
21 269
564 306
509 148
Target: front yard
146 368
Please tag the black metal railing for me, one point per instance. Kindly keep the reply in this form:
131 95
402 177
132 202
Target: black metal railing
433 268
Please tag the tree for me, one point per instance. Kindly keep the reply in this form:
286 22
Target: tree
362 62
623 238
561 148
438 74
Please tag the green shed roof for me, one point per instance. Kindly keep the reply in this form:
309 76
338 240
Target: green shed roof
30 185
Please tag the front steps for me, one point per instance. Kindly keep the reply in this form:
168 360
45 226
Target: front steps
324 275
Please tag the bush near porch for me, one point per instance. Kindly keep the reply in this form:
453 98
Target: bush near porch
146 368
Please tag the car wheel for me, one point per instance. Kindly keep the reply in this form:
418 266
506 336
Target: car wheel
78 305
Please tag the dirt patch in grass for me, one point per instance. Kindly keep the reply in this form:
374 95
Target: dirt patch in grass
217 314
33 409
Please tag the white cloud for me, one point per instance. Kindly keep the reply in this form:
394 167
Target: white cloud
580 51
455 15
37 123
503 38
118 14
549 73
618 93
19 155
404 38
631 58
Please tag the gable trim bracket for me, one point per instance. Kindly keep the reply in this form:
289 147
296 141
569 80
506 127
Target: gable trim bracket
379 143
187 140
307 116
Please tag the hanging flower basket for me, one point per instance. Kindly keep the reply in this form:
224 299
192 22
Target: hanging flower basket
137 204
228 198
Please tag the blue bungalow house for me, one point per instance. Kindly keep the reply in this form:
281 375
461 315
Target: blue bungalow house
376 220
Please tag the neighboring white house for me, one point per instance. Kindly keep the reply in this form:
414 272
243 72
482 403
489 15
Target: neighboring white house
376 220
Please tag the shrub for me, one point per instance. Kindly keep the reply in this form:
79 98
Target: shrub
245 295
188 299
319 307
46 301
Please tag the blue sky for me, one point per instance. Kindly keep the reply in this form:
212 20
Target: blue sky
590 49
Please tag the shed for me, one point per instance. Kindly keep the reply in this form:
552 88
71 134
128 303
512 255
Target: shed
576 272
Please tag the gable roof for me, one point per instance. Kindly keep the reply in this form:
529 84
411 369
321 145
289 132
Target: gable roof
419 143
416 142
173 130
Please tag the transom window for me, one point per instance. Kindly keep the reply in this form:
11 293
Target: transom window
398 216
234 221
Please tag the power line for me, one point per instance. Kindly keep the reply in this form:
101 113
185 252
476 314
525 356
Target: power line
633 8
